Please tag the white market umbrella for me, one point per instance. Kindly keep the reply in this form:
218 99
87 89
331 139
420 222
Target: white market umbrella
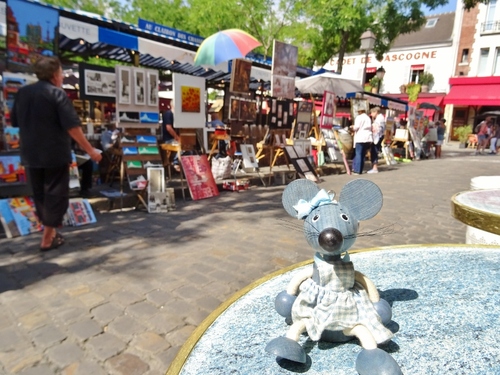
332 82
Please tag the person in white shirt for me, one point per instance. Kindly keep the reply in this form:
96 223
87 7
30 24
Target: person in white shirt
378 129
363 139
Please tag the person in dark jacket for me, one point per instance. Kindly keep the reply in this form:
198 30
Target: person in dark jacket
47 122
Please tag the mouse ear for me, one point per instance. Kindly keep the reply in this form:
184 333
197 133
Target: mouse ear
362 198
296 190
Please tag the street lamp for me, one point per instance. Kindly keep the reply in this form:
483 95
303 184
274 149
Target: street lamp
367 43
380 75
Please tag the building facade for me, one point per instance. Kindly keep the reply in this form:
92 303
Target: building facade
475 87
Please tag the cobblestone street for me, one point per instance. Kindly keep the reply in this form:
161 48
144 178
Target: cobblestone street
122 296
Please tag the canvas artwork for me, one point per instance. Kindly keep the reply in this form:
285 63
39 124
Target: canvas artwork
357 104
129 150
80 212
149 117
190 99
158 202
129 116
199 176
137 182
156 178
234 112
99 83
23 211
11 170
283 87
153 163
240 76
285 58
139 87
7 220
74 175
150 139
328 110
134 164
153 88
124 96
148 150
11 137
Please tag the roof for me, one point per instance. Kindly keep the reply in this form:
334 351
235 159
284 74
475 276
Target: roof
441 33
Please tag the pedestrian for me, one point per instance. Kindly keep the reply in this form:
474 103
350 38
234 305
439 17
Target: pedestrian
483 130
363 138
378 130
441 130
495 139
169 135
47 122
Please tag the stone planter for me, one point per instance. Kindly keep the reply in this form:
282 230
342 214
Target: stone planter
424 88
374 90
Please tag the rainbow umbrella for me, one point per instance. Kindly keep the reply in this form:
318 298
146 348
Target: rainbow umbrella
225 45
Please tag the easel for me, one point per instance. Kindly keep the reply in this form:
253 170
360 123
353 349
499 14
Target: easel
277 142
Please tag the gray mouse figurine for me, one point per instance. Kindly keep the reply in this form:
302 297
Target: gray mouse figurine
330 300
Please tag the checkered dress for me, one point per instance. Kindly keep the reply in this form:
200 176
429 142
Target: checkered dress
338 302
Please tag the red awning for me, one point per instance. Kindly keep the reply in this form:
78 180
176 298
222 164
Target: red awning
474 91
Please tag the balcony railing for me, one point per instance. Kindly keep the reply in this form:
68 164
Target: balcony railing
490 27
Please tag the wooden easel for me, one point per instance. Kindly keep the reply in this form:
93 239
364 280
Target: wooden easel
274 148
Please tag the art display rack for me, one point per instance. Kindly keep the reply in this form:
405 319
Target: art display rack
138 153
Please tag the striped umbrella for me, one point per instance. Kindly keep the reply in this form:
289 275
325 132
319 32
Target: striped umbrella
225 45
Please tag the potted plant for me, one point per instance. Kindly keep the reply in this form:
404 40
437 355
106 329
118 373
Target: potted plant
426 79
374 83
402 89
368 87
462 133
412 89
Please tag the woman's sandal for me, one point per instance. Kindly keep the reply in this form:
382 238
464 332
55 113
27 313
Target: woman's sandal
57 241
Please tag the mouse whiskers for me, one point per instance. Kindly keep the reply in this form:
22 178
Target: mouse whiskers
296 225
382 231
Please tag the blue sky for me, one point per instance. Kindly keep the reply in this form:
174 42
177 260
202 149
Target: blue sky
450 7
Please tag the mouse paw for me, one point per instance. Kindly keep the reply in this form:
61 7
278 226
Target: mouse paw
284 347
383 309
283 304
376 362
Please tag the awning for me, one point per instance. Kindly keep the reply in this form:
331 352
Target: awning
466 91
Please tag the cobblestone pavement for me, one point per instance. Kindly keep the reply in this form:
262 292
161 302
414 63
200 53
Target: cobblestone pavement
122 296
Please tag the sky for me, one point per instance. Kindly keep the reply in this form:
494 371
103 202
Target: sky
450 7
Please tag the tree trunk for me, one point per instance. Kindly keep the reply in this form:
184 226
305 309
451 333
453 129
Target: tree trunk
342 49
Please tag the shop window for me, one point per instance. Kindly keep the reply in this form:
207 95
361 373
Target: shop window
431 23
496 67
465 55
483 61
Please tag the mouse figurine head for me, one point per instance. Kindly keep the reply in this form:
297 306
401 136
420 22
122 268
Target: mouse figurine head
331 223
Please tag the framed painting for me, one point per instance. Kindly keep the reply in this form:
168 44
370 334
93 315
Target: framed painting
124 95
140 87
152 87
234 109
240 76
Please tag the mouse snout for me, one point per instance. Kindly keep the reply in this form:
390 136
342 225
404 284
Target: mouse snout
331 240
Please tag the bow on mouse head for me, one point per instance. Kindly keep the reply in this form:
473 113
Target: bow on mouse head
330 226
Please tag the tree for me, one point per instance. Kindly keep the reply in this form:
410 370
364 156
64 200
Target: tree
340 23
108 8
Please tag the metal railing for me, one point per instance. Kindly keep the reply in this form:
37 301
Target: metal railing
490 27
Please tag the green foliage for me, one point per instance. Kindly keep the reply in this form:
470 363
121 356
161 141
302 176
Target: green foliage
462 133
469 4
413 89
375 81
426 78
